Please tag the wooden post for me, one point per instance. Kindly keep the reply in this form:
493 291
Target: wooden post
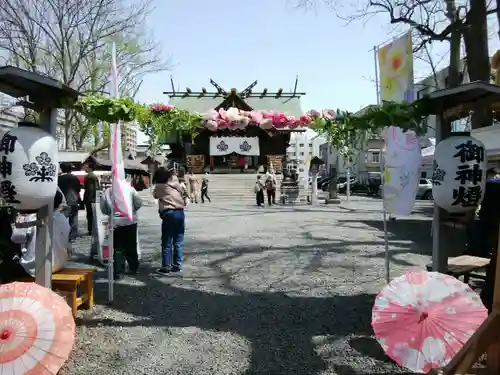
43 248
493 354
439 255
485 339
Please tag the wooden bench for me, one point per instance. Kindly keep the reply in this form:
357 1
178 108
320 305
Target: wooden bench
465 265
68 280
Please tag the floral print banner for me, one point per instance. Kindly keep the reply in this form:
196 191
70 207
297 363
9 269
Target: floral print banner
396 70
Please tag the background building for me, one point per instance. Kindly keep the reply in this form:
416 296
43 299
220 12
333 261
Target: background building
303 147
131 138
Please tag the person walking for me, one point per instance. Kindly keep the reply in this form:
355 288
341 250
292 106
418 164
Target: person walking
172 200
204 189
70 187
259 191
124 233
193 187
91 185
271 189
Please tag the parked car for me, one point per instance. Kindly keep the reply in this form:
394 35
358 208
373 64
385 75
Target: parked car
342 185
369 187
319 181
325 183
424 190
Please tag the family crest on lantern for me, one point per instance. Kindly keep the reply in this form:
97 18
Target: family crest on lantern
28 167
245 147
43 170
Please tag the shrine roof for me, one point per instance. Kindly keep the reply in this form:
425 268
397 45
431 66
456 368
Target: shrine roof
20 83
202 104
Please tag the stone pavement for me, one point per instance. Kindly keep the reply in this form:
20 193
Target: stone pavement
264 291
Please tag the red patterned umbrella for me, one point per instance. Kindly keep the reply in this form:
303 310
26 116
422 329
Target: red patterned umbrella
37 330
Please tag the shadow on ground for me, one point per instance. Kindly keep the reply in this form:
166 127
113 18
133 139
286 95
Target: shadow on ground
279 327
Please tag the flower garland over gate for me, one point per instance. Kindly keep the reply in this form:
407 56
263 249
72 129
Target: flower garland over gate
159 120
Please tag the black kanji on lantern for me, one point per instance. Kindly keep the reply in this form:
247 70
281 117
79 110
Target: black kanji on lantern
467 196
469 151
5 167
438 176
467 174
8 143
41 171
8 192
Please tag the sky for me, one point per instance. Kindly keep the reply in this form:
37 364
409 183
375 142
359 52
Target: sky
237 42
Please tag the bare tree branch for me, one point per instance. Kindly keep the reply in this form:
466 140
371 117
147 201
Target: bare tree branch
70 40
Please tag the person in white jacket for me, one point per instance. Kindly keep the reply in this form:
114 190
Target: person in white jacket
124 234
61 247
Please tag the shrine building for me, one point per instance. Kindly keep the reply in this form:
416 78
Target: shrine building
235 150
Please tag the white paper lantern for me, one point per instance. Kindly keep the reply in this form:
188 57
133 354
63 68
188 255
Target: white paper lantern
28 167
459 176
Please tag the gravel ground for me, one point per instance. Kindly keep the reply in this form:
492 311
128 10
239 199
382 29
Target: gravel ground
281 290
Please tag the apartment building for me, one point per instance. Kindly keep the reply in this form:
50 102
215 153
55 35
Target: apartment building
303 147
332 158
130 132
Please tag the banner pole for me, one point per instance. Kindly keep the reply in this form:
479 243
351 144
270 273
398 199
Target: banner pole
384 212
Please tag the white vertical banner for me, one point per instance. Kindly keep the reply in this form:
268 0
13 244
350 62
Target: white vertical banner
402 162
120 189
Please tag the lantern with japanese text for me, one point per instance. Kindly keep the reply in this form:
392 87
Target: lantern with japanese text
459 176
28 167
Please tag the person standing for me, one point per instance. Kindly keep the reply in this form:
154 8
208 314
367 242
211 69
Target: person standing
172 200
70 187
124 234
204 189
271 189
259 191
192 186
91 185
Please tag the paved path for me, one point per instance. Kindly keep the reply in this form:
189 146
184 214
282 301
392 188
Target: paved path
264 291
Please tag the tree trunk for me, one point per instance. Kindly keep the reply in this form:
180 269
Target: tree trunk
478 63
498 15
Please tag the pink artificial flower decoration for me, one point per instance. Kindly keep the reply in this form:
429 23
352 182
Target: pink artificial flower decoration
223 124
233 114
256 117
223 114
211 115
267 114
161 108
329 113
266 123
314 114
211 125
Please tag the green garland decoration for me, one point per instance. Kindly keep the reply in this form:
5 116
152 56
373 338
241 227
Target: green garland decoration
159 120
102 108
407 116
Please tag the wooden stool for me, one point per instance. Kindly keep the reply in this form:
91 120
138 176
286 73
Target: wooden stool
464 265
68 280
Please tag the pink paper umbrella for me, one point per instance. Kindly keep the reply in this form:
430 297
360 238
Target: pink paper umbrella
37 330
422 319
